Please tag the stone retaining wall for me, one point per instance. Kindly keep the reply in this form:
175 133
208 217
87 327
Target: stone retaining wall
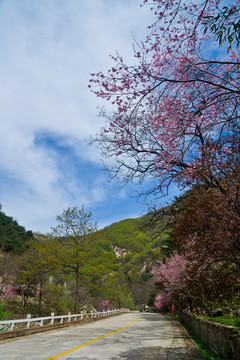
222 339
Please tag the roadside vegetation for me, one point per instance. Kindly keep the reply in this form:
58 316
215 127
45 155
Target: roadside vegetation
228 320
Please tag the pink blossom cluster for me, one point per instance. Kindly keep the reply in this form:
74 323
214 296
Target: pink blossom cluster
171 274
39 287
161 301
10 291
106 305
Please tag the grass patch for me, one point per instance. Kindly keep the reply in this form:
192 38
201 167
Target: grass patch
206 352
225 320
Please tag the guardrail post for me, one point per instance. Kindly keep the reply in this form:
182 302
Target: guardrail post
81 315
52 320
28 323
12 326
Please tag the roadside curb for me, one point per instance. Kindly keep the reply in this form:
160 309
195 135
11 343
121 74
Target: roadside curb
193 352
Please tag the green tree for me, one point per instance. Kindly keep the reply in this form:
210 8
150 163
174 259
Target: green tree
34 266
118 291
77 243
55 299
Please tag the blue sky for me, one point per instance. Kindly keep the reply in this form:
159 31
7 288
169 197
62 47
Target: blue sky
48 48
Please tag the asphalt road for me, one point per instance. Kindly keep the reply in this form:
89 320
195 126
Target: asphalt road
131 336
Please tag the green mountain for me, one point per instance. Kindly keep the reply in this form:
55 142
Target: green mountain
139 243
13 237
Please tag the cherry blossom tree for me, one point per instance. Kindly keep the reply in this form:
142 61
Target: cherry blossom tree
175 112
170 275
206 234
194 281
162 301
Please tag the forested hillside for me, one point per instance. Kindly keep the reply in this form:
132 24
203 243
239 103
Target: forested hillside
13 237
138 243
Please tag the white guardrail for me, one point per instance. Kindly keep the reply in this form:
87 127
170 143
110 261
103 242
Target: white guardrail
47 320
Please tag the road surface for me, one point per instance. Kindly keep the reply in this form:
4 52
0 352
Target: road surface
131 336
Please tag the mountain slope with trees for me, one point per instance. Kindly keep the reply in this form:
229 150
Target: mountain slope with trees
13 237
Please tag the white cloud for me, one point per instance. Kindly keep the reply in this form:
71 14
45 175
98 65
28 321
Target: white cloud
47 50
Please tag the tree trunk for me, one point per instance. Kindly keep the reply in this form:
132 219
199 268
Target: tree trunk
25 301
76 290
190 304
40 301
1 288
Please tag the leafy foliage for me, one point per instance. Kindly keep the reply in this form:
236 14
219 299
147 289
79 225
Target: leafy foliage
34 267
117 289
3 313
225 25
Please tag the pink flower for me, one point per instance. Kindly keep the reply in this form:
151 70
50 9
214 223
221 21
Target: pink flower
10 291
